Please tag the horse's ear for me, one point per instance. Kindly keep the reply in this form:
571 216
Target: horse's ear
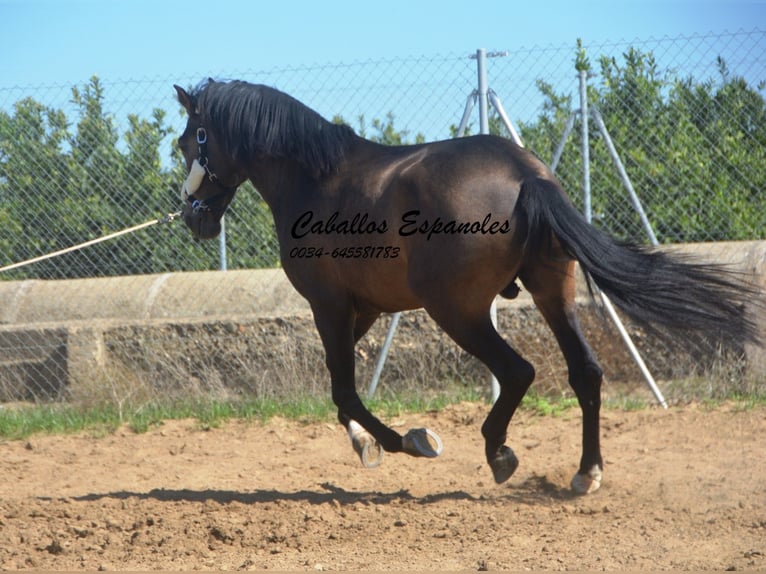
185 99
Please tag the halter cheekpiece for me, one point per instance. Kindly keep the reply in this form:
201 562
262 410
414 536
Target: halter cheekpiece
197 205
202 159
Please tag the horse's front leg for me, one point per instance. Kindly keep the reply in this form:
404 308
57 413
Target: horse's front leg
336 326
364 444
335 323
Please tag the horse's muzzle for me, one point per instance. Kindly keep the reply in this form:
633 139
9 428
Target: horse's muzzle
204 224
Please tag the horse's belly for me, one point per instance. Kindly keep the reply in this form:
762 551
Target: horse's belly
381 283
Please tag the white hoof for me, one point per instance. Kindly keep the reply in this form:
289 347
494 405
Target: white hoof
365 445
587 483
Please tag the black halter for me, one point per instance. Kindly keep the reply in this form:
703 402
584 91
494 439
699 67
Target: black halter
198 205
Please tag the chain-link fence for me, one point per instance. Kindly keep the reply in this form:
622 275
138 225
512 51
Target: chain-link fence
686 115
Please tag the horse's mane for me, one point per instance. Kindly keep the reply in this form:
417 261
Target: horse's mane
252 119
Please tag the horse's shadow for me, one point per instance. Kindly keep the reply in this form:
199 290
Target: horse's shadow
328 493
535 491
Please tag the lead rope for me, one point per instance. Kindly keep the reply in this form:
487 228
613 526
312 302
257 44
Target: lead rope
162 220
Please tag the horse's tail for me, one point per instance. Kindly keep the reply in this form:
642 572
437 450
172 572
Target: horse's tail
649 285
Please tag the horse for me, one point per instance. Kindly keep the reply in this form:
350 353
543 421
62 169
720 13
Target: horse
366 229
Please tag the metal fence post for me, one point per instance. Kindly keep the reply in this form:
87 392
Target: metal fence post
624 176
222 265
589 217
481 65
383 354
585 145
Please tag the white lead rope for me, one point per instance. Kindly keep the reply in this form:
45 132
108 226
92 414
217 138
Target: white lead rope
168 218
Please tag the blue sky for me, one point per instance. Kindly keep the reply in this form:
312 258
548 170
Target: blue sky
55 41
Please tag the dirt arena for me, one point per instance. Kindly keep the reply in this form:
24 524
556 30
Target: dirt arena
683 489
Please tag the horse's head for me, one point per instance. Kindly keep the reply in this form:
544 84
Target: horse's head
212 180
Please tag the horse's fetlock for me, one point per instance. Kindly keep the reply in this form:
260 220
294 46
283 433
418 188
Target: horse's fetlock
390 440
492 440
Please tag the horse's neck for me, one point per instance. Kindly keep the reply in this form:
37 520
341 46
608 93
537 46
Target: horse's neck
279 179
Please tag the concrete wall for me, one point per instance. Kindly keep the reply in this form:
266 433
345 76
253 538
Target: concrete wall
56 335
209 294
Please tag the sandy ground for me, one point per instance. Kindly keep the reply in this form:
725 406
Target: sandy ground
683 489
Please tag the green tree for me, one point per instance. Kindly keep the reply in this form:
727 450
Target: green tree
33 177
62 187
694 150
382 131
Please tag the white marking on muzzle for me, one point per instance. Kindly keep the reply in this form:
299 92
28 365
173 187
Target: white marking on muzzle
193 180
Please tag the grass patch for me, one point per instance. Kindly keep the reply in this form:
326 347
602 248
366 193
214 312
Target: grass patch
23 421
547 406
738 402
749 402
424 401
19 422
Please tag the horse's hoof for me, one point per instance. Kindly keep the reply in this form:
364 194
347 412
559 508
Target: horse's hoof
587 483
365 445
422 442
370 452
503 464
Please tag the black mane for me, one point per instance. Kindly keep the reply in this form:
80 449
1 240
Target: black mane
252 119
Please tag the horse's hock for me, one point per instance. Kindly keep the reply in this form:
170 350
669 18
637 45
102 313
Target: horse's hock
250 331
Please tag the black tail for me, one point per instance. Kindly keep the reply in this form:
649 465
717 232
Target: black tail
650 286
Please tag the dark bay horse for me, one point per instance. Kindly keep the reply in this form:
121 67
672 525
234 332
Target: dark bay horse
366 229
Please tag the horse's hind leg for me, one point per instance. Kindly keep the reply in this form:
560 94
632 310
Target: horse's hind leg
552 285
474 332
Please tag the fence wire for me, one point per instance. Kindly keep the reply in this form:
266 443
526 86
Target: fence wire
80 160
